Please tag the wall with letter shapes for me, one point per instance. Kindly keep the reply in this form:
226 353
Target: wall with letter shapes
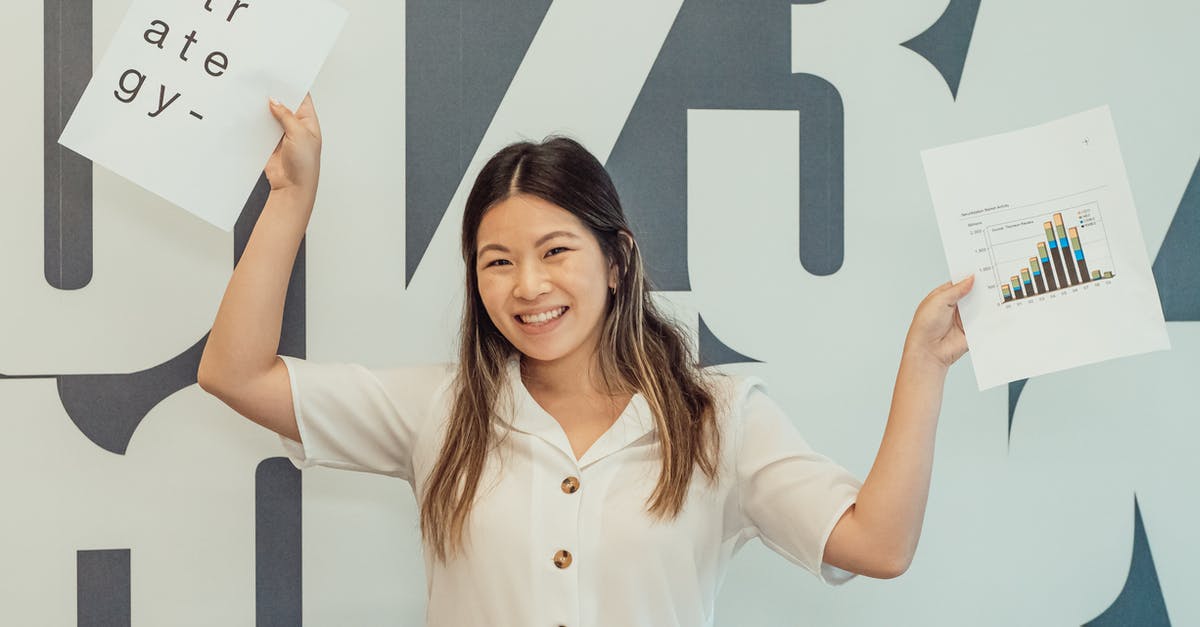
771 140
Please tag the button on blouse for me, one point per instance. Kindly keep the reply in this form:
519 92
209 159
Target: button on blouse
540 556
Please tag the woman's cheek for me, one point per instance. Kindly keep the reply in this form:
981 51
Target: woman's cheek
490 294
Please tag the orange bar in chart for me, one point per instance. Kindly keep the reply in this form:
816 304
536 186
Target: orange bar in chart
1036 271
1044 256
1058 260
1027 282
1063 243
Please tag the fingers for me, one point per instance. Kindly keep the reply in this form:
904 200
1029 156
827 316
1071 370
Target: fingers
307 114
291 125
949 293
955 291
306 109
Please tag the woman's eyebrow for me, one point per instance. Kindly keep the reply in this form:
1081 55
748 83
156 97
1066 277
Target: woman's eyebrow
553 234
541 240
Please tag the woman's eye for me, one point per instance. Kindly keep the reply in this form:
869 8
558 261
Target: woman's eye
553 251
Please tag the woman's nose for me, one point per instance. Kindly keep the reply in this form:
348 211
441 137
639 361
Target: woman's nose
531 282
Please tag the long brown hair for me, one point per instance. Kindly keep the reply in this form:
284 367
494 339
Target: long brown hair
640 350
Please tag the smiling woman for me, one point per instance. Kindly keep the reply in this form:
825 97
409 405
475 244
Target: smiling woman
576 466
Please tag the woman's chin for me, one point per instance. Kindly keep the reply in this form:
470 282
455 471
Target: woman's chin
540 353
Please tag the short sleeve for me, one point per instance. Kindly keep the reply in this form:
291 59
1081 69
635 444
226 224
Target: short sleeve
790 494
355 418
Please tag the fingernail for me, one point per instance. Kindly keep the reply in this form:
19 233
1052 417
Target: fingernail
274 102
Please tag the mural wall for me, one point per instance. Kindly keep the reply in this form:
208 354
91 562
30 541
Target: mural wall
767 153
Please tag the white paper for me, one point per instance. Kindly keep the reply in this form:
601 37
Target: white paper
205 150
993 197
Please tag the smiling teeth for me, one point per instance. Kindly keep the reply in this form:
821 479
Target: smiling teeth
543 317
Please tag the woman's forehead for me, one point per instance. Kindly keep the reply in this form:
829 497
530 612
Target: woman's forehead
524 219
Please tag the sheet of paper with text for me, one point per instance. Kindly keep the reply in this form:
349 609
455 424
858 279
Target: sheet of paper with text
178 102
1044 219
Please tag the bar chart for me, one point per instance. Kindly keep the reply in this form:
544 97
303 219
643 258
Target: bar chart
1047 253
1044 219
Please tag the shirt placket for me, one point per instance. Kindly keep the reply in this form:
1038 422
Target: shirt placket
558 490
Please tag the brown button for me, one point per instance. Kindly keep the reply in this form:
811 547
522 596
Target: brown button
562 559
570 485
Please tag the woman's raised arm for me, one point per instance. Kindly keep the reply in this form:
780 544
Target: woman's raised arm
239 365
878 535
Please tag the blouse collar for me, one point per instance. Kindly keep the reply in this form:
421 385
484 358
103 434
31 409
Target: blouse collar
635 421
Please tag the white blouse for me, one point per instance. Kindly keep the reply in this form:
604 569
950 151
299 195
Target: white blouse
559 541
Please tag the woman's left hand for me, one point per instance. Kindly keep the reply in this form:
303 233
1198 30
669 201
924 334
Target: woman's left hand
936 328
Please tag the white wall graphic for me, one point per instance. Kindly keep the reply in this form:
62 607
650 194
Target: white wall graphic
769 155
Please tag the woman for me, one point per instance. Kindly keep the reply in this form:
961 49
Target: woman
575 467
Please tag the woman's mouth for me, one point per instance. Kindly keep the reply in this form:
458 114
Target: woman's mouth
542 320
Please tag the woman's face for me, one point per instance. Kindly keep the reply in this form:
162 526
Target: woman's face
542 277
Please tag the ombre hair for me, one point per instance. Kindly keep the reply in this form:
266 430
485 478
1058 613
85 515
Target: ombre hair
641 350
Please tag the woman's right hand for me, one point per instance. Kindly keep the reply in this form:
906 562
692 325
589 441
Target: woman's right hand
296 162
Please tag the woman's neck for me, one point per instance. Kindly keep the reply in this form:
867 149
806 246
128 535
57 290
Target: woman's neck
577 374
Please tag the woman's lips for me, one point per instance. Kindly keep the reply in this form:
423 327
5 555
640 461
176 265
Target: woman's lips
544 327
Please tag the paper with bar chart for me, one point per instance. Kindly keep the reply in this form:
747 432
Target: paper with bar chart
1045 220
